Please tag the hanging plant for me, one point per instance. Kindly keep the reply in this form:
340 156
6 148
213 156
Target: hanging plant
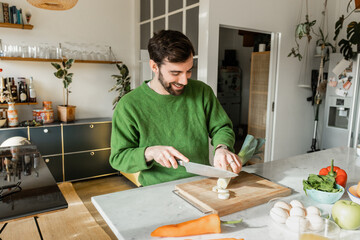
302 30
325 45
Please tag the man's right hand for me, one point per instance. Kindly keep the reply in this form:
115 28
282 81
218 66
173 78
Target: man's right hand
164 155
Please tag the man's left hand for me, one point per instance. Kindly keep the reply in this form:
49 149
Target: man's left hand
224 158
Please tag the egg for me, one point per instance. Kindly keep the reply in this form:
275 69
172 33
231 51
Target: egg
296 223
283 205
279 215
316 223
296 203
312 211
297 211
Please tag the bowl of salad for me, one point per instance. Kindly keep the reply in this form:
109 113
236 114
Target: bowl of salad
323 189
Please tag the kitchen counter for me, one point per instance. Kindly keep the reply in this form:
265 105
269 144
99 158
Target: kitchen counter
135 213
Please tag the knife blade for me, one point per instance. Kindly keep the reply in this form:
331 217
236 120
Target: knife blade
204 170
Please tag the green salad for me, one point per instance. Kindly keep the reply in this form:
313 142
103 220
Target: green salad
322 183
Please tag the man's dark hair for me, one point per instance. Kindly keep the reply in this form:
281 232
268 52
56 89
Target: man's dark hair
171 45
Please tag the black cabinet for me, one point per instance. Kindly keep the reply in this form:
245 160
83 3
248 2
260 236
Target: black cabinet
87 164
87 150
54 163
84 146
47 139
12 132
83 137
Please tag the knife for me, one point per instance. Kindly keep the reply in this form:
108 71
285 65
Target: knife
204 170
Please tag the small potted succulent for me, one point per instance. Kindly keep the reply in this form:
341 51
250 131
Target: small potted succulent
66 112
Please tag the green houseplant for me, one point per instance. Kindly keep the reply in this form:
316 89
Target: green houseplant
352 32
302 30
325 45
66 112
122 85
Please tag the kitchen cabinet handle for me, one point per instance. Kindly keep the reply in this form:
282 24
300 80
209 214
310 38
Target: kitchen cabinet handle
92 154
46 130
91 126
47 160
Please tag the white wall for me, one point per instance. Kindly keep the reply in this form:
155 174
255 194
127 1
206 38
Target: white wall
90 22
294 116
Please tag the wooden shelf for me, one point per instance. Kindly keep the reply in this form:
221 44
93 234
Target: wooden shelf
54 60
26 103
13 25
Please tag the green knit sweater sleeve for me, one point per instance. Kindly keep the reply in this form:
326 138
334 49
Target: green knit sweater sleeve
126 155
219 124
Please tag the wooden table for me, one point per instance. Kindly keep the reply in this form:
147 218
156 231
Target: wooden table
75 222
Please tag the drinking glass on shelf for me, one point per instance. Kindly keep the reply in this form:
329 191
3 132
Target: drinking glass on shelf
107 53
32 51
16 50
41 50
37 52
12 50
5 50
92 56
46 50
52 50
84 55
24 51
59 53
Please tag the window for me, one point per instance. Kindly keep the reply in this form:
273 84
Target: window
156 15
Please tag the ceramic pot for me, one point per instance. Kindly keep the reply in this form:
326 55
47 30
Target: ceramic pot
12 114
318 50
66 113
47 104
43 115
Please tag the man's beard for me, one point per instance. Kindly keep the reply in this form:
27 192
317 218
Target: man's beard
168 88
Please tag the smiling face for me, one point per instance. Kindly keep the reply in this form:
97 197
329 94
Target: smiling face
171 78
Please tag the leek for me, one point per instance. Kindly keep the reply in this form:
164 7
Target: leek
250 148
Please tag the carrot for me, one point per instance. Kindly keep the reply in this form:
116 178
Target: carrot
358 189
228 239
204 225
224 239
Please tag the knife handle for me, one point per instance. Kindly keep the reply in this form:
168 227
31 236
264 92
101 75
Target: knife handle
180 162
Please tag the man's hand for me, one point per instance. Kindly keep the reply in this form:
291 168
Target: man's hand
224 158
164 155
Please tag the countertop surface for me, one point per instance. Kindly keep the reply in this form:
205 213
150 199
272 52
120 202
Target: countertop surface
135 213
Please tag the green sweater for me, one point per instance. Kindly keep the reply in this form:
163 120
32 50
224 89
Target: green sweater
144 118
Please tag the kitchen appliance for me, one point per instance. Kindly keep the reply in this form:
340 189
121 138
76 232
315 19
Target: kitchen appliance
340 102
204 170
26 184
247 190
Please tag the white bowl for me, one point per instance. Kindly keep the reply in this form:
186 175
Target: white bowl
352 194
2 122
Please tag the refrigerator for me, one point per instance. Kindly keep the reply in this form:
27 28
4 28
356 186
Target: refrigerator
342 108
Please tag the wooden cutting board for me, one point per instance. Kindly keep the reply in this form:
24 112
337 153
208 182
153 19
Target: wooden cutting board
247 190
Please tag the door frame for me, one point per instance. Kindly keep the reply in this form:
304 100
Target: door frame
272 87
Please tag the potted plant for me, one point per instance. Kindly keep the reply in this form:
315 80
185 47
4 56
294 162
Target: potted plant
324 45
66 112
122 85
352 32
302 30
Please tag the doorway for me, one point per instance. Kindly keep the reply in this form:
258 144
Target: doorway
244 60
